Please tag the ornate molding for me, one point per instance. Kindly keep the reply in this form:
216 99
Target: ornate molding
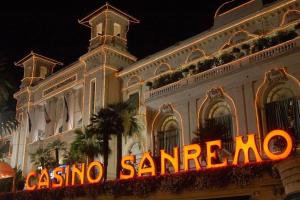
215 93
166 109
276 75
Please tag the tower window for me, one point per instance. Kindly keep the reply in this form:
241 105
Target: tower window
99 29
117 29
43 72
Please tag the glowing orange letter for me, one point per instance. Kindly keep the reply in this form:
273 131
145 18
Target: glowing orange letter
287 150
28 185
245 147
79 172
173 160
44 180
67 175
210 154
58 178
151 169
191 156
97 179
128 167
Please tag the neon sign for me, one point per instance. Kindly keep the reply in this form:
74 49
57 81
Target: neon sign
85 173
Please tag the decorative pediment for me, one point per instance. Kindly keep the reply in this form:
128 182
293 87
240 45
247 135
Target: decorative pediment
166 109
215 93
276 75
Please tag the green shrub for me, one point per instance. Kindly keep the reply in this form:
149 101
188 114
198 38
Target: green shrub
236 50
245 46
225 58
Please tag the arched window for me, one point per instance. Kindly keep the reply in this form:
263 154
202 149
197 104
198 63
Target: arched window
282 110
290 16
218 123
43 72
196 54
133 80
162 68
279 104
168 135
216 119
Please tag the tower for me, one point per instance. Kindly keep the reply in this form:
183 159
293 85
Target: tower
36 68
109 26
107 55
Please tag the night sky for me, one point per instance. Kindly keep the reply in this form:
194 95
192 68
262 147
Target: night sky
51 27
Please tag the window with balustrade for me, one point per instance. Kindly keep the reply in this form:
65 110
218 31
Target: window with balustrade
282 110
168 135
218 124
217 119
278 103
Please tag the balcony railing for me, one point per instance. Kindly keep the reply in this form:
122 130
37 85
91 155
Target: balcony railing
225 69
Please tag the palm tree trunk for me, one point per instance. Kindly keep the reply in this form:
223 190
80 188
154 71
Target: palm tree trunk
105 156
90 160
57 157
119 154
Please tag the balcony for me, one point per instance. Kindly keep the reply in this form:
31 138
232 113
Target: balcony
225 69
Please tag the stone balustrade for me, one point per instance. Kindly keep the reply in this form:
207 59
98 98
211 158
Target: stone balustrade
222 70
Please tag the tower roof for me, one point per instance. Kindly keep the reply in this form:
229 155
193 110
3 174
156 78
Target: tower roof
85 21
31 54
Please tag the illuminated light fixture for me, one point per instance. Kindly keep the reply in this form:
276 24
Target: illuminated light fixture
6 171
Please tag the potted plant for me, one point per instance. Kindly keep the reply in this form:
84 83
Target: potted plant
176 76
185 72
149 85
225 58
236 51
246 48
259 45
297 28
192 69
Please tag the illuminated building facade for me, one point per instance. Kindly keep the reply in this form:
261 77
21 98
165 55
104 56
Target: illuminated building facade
241 76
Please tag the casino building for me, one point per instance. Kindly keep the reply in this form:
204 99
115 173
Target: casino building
241 76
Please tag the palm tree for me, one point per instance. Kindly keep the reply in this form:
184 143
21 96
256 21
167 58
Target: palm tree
42 157
57 146
73 156
8 123
130 124
5 87
86 144
106 122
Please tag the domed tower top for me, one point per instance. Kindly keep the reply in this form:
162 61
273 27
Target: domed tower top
109 26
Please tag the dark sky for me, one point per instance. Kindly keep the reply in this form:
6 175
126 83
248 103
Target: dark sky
50 27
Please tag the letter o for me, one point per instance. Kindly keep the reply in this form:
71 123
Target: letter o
287 150
97 179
